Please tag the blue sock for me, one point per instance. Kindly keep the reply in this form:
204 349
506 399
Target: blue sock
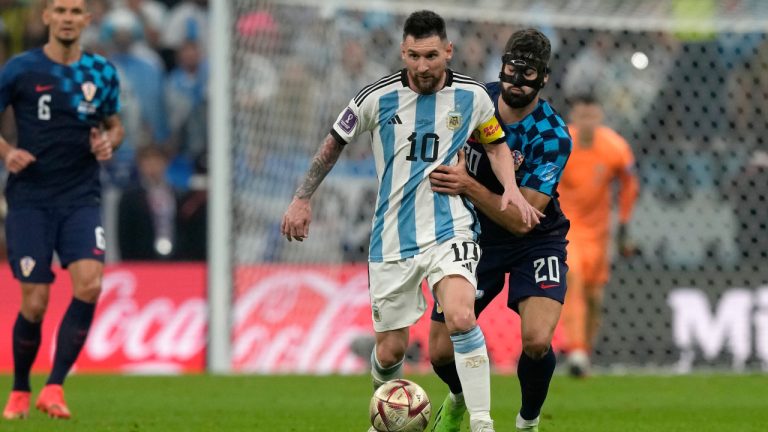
26 341
72 334
534 376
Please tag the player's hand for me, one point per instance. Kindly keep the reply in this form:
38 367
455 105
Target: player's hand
451 179
625 245
18 159
530 214
296 220
101 146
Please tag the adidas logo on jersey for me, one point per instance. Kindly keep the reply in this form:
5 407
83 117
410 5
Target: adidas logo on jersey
395 120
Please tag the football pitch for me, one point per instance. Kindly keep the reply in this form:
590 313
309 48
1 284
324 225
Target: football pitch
697 403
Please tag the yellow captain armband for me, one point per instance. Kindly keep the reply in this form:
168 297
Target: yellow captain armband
488 132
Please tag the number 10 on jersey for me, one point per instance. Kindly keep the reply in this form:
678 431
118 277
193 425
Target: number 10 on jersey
429 147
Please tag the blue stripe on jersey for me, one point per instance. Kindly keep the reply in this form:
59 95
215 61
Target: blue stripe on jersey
388 105
424 145
463 102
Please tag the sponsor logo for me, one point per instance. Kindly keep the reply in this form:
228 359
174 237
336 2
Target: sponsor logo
549 171
376 313
89 90
98 252
454 120
475 362
42 88
491 130
348 121
395 120
27 264
548 286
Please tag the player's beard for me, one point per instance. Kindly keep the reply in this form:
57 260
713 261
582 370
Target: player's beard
426 84
67 42
517 100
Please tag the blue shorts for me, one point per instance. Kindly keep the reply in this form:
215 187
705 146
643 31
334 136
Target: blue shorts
536 270
33 234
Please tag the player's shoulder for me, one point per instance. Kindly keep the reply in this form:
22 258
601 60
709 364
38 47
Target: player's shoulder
611 137
466 82
380 86
23 61
546 122
98 63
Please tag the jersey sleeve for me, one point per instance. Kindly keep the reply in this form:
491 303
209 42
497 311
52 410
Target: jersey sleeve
112 101
488 130
549 158
7 78
353 121
628 184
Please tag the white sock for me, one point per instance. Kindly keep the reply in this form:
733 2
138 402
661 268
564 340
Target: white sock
522 423
474 372
381 374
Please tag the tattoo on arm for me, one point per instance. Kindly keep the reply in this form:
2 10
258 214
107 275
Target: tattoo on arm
324 159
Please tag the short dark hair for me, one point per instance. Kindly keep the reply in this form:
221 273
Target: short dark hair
423 24
583 99
531 42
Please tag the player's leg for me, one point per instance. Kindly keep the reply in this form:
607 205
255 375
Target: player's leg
594 313
454 284
81 249
387 356
30 252
397 302
538 319
490 279
575 311
537 291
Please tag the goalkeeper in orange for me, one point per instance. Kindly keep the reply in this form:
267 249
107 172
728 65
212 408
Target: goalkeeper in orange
600 158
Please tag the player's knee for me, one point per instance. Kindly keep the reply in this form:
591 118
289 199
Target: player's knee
389 357
88 291
536 344
461 322
33 309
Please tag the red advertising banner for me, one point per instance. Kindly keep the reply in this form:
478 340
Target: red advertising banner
152 318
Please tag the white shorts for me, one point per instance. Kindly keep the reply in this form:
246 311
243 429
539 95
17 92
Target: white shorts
397 300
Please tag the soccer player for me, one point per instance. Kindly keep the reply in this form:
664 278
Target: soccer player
600 158
533 256
419 118
65 103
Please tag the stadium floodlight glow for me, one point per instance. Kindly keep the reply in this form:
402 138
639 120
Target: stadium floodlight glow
639 60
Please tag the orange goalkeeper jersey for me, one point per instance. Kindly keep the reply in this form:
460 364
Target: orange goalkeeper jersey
586 184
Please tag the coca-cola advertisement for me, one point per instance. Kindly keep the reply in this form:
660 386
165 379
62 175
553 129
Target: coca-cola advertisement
152 318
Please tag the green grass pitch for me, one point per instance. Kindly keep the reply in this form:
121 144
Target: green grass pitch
696 403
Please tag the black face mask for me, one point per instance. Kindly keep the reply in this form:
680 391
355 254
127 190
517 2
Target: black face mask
521 63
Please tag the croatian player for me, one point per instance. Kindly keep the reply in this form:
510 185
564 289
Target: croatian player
534 257
65 103
419 118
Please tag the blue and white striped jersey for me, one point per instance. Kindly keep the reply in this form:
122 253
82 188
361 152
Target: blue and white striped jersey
412 134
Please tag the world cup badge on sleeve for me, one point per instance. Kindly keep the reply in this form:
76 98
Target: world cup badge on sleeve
89 90
27 264
454 120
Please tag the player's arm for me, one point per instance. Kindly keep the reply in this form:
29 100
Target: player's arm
15 159
491 135
629 188
296 220
106 139
455 180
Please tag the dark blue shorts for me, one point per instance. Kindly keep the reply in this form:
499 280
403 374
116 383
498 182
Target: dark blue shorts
537 270
33 234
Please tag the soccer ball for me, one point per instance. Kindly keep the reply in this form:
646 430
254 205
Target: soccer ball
400 406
